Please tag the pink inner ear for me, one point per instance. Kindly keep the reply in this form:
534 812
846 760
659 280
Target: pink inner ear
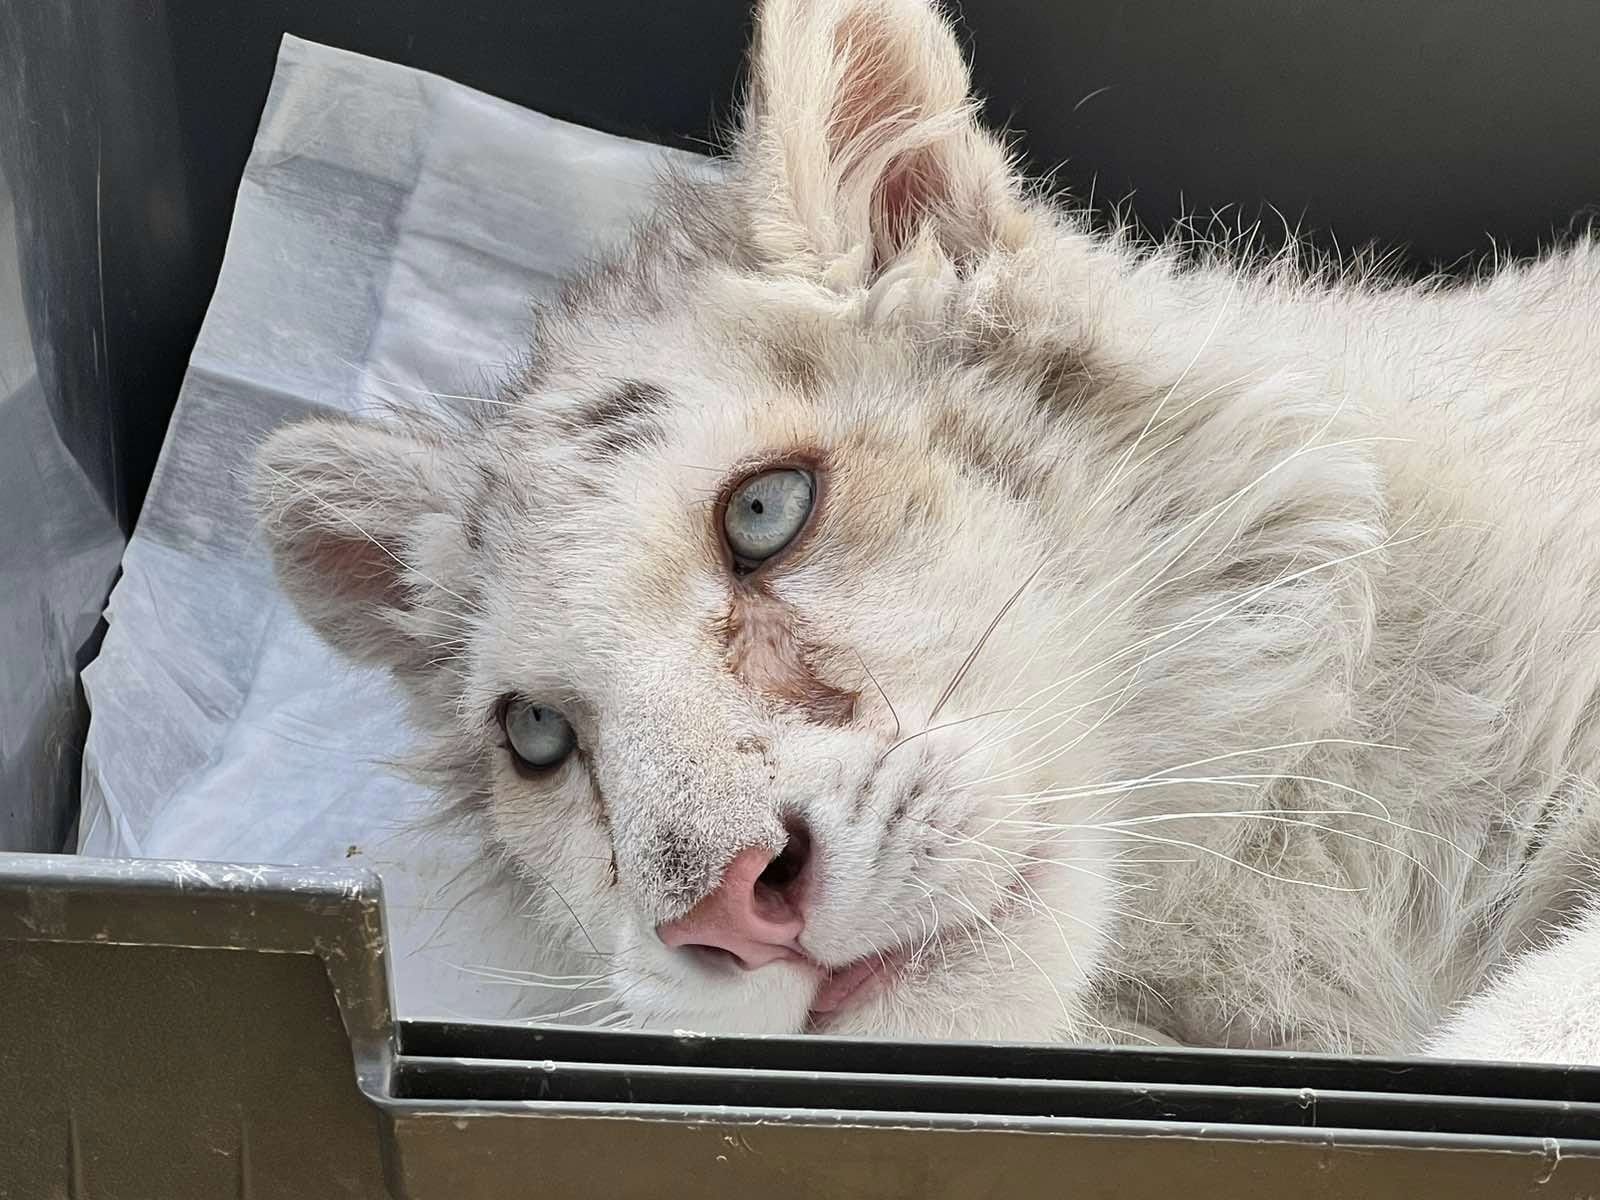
359 570
878 100
911 184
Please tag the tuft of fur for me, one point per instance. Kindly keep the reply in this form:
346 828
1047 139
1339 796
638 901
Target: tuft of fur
1184 647
1539 1008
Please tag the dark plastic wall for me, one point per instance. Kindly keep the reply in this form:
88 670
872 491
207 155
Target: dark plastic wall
124 125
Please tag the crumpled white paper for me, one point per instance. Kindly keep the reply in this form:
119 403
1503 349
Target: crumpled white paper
390 230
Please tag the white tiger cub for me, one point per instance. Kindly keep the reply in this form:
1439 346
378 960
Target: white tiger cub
888 606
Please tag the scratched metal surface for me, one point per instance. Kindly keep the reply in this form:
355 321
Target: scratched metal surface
182 1029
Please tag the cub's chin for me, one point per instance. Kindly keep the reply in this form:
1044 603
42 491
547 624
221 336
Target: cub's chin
1017 983
956 1005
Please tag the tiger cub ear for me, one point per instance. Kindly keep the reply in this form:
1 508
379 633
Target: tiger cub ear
860 138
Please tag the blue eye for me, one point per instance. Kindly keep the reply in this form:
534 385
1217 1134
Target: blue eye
539 736
766 512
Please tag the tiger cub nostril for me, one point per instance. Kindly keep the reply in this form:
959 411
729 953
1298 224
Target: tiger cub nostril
783 872
717 956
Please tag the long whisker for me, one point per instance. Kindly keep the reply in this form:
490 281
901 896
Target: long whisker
411 387
573 913
972 655
1254 870
885 696
926 730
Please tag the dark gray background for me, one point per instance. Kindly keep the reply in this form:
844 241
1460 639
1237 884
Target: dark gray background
1429 128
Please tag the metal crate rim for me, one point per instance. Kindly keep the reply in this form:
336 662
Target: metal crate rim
337 915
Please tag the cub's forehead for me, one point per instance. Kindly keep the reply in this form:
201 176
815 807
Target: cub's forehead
606 436
618 493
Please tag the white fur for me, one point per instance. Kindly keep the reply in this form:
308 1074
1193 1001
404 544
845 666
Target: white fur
1540 1009
1270 597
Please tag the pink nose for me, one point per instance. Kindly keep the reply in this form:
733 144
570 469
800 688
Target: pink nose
749 917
